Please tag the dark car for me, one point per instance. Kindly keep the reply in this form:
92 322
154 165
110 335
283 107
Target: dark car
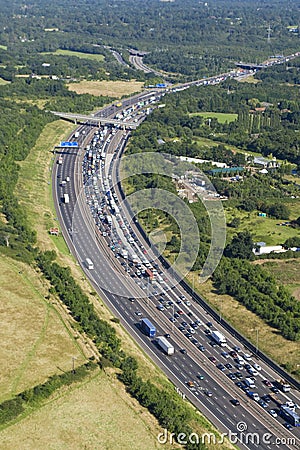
238 374
212 359
221 367
202 348
209 324
235 401
183 350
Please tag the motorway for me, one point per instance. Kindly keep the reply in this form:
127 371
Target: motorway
117 282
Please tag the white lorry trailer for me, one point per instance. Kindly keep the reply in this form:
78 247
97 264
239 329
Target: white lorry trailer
219 338
165 345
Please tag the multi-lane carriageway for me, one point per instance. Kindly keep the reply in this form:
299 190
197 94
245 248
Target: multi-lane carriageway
115 286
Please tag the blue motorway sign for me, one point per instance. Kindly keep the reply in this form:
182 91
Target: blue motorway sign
68 144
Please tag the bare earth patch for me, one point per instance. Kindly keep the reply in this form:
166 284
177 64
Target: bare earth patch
115 89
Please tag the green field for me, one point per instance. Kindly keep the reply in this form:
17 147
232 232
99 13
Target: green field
82 55
263 229
221 117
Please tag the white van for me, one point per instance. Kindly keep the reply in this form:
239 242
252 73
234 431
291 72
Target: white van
89 263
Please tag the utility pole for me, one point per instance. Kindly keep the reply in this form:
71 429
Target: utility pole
256 348
269 34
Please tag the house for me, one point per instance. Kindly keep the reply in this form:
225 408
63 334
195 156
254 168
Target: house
265 163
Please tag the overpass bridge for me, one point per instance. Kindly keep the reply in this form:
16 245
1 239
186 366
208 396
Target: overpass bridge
97 120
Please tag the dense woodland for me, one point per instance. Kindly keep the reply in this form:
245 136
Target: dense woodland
188 39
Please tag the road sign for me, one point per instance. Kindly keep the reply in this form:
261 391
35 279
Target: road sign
68 144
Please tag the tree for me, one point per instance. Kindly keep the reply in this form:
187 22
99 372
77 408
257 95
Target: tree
241 246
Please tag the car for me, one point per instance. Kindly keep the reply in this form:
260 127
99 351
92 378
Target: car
253 372
172 319
188 303
188 335
257 367
183 351
179 302
275 390
239 366
209 324
192 331
262 403
237 349
200 376
207 331
202 348
225 355
184 324
131 299
231 376
160 307
273 413
212 359
233 354
268 383
248 366
138 313
167 335
176 316
239 384
266 398
213 343
182 297
288 426
195 341
238 374
180 312
190 383
235 401
208 393
181 328
221 367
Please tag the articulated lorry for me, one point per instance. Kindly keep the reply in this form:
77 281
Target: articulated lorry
148 328
219 338
165 345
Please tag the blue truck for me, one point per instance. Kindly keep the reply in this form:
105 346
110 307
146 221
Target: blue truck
147 327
